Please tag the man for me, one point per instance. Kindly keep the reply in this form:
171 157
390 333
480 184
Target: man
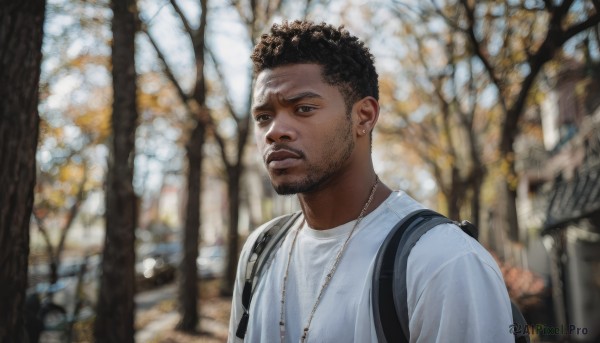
315 104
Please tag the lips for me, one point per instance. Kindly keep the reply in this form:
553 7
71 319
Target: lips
281 159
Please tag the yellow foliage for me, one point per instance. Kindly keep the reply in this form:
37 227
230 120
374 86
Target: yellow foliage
95 122
56 198
84 60
70 172
150 101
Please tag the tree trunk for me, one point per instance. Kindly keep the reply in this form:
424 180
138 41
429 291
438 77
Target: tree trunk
509 189
21 33
115 310
233 192
510 211
456 194
476 196
188 282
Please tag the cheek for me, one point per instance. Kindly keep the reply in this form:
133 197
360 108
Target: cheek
323 140
259 140
258 136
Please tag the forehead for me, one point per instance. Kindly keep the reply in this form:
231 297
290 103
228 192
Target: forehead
288 79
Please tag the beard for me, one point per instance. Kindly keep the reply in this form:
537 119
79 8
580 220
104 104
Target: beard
337 152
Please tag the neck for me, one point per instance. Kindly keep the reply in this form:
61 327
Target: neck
341 200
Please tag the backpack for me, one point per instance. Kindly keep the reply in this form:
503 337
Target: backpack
389 275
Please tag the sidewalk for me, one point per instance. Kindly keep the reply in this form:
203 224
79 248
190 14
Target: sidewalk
157 317
151 331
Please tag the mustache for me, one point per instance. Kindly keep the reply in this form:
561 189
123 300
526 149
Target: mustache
278 147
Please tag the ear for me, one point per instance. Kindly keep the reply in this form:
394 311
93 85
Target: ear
367 113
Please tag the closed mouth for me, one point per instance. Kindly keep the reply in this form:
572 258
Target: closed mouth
280 155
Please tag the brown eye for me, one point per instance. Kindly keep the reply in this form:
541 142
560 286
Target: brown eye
304 109
261 118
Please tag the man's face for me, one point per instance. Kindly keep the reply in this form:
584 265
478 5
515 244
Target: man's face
302 128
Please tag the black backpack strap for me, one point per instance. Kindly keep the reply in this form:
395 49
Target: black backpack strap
428 221
385 312
389 277
262 249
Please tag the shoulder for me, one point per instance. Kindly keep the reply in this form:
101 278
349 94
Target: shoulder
452 280
445 244
397 206
257 232
446 249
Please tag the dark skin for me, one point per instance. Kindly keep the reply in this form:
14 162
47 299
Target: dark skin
312 148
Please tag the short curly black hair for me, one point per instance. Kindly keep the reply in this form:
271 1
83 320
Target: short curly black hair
347 62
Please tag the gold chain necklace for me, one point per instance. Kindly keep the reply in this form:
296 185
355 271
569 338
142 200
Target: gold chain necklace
329 276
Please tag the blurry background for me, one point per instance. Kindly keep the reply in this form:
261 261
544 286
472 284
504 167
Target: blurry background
490 112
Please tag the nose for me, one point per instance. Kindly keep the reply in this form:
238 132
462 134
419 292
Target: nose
281 129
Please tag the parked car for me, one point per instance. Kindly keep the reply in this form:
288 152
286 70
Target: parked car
211 262
157 263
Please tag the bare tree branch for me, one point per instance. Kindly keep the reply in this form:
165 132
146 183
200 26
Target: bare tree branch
437 172
167 70
555 38
221 143
468 120
221 76
73 212
509 127
42 228
242 122
272 7
597 32
253 11
306 9
529 39
453 24
455 101
563 8
445 112
200 91
247 21
480 53
590 22
596 5
186 24
242 138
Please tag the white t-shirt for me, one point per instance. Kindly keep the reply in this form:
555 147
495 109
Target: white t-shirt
455 290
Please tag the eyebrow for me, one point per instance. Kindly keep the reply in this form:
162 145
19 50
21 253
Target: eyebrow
303 95
290 99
